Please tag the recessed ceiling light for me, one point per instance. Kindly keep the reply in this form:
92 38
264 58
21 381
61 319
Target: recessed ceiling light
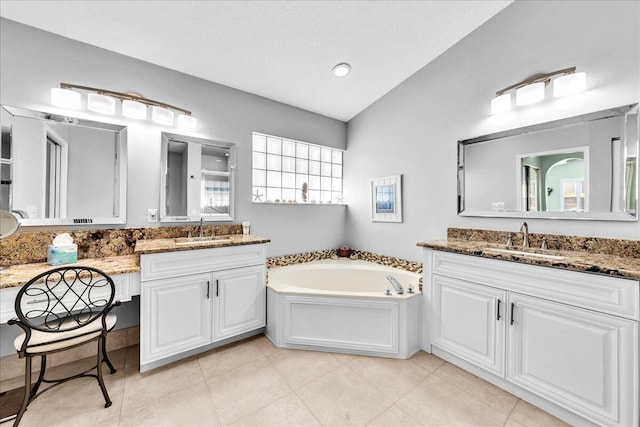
341 69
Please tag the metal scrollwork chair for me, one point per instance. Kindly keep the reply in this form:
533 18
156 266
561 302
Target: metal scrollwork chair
60 309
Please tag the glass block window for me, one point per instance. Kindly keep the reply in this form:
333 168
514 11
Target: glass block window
288 171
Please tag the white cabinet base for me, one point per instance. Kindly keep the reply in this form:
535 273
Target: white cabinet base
534 399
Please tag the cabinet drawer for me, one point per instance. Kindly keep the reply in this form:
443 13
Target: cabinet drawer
122 283
173 264
611 295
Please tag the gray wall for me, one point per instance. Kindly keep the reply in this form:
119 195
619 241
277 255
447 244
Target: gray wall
33 61
413 130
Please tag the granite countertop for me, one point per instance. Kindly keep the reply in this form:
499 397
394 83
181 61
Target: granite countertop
18 275
612 265
153 246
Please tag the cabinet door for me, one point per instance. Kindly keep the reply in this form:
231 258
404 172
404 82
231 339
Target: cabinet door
468 321
175 315
580 359
239 301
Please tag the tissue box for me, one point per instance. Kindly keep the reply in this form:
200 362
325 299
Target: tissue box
67 254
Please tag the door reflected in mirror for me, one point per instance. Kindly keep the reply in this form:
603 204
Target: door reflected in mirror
198 179
555 181
62 170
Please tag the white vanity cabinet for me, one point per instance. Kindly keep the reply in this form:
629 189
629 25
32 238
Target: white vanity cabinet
565 340
194 300
468 320
175 315
239 303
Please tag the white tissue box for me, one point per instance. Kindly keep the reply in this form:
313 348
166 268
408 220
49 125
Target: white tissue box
63 254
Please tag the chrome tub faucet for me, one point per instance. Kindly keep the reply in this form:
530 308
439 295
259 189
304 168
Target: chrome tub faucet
398 287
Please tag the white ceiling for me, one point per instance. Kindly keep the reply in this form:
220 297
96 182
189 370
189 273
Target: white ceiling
282 50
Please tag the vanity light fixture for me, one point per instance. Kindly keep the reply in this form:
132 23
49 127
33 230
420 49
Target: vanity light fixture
133 105
532 89
341 69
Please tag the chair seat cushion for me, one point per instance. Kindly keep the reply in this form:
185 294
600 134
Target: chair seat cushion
42 342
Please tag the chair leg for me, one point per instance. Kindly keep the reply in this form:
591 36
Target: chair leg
43 366
27 391
112 370
99 372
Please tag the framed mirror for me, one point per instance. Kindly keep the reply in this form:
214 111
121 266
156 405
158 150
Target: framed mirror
197 179
583 167
57 169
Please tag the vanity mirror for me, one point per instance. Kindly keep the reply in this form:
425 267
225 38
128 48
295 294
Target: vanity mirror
58 170
197 179
583 167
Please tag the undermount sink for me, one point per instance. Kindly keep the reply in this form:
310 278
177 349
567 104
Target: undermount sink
523 253
201 240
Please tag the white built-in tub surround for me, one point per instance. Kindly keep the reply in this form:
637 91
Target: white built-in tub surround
343 306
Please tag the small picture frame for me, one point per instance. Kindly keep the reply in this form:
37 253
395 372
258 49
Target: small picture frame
386 199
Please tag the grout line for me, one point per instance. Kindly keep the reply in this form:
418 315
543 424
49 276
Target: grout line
511 412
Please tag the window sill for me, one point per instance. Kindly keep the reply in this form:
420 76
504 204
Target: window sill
299 204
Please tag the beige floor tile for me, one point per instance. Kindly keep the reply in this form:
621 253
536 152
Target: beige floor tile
228 358
393 377
493 396
528 415
342 397
435 402
265 345
299 367
287 411
346 358
141 389
427 361
76 403
132 359
191 406
394 417
246 389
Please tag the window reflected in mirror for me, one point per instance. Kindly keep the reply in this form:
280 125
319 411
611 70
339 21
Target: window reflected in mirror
198 179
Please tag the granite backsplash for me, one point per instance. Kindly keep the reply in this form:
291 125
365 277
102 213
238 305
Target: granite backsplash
597 245
31 246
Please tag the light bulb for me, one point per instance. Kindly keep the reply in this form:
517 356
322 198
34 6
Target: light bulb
501 103
134 109
101 103
187 122
530 94
65 98
162 115
569 84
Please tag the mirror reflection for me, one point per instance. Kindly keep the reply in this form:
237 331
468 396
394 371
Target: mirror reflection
197 179
62 170
584 167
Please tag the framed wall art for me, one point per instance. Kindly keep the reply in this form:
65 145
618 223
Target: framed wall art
386 199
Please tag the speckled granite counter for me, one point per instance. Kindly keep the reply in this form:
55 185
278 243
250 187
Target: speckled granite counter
153 246
18 275
601 263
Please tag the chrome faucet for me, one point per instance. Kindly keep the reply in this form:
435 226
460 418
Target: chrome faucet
396 284
525 232
201 227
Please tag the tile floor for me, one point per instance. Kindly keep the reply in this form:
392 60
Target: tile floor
253 383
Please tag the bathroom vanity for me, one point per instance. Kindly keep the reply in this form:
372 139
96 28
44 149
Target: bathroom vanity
564 340
197 295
